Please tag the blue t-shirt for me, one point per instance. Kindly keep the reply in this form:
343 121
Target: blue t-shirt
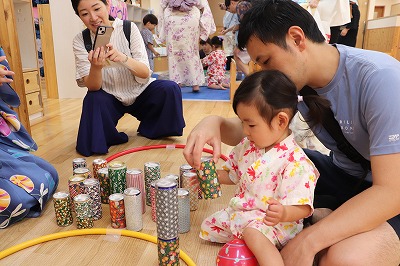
365 99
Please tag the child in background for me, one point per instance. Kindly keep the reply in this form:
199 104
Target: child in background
274 177
215 62
150 21
205 48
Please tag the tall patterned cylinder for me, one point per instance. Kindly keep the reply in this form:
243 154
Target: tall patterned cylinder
182 169
83 172
117 176
117 211
78 163
102 174
62 208
167 209
187 168
92 188
209 183
153 192
133 209
174 178
134 178
75 187
183 210
84 218
152 172
168 252
97 165
191 183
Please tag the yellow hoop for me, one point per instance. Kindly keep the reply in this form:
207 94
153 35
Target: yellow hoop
81 232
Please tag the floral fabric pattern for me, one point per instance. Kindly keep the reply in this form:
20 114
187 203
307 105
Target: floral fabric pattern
26 181
181 31
216 62
284 173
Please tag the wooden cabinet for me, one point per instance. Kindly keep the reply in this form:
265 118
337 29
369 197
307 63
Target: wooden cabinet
32 93
27 44
161 64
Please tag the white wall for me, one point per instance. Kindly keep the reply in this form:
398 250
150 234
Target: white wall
65 25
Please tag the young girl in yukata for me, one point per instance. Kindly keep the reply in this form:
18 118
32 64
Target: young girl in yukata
216 62
275 179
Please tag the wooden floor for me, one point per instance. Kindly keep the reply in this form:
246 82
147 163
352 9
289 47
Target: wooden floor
56 136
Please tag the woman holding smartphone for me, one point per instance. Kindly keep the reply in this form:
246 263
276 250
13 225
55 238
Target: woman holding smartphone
114 91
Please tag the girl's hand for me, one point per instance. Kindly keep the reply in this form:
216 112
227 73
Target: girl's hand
274 213
97 58
313 3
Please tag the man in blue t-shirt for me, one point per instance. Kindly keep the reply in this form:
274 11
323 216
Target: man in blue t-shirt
363 90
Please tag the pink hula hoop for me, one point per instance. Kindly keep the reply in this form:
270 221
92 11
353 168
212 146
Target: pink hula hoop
152 147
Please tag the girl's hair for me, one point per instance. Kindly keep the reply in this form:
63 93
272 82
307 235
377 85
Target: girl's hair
202 42
217 41
270 20
75 4
271 92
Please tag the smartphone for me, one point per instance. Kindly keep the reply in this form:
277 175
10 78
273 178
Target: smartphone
103 35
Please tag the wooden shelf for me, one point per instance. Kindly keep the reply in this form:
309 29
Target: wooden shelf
136 14
29 57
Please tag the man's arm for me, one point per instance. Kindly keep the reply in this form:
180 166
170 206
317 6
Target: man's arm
362 213
212 130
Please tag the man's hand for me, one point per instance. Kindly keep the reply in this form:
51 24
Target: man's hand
207 131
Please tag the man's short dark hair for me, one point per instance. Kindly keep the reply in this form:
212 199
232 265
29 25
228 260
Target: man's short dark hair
150 18
270 20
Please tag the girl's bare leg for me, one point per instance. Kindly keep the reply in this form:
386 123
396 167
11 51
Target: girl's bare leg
265 252
216 86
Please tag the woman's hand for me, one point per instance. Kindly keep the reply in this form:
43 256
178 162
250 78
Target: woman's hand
4 73
114 55
222 6
344 32
97 58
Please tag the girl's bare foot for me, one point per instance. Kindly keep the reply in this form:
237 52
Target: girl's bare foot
221 86
195 88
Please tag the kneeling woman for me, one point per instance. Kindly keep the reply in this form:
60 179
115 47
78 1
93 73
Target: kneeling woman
27 182
127 88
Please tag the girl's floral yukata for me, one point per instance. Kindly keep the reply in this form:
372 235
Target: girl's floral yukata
284 173
216 62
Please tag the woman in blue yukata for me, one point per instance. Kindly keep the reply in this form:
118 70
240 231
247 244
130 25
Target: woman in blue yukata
26 181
